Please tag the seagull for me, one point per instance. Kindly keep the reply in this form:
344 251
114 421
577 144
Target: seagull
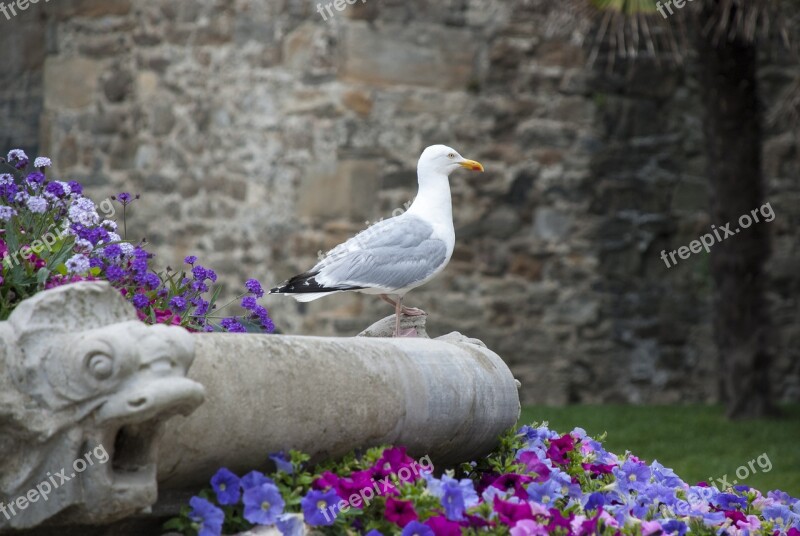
395 255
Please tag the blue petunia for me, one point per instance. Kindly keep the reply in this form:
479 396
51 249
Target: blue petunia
282 462
263 504
208 519
316 506
415 528
227 487
255 479
291 525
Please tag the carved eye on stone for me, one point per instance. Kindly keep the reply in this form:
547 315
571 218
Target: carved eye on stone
100 366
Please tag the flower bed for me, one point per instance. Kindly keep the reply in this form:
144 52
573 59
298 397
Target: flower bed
537 482
51 234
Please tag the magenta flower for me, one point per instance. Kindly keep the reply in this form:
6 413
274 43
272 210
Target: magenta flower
559 448
441 526
400 512
509 513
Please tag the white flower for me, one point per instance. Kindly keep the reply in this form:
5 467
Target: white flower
109 225
83 246
83 211
16 154
78 264
6 213
37 205
127 248
6 178
42 161
114 237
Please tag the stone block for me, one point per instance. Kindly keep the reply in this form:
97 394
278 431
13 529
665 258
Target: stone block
70 82
345 189
387 55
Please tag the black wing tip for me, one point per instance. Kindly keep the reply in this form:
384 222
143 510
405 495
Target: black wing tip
307 284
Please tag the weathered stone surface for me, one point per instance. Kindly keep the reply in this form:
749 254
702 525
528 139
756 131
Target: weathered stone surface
448 399
70 82
86 389
400 55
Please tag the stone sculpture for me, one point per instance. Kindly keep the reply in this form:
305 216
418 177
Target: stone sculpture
85 388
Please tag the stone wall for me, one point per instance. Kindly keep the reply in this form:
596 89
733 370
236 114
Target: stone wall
260 134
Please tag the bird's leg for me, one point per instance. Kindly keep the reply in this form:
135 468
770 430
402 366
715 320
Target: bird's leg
387 299
398 310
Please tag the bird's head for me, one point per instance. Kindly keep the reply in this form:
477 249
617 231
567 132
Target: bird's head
443 160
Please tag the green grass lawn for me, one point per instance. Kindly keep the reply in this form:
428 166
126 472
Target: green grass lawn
696 441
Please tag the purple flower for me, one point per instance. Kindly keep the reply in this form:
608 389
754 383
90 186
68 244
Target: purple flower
6 178
35 179
140 301
254 287
75 187
208 517
316 505
199 273
415 528
255 479
178 302
191 259
226 486
282 462
249 302
211 274
263 504
262 315
111 252
37 205
56 189
151 280
42 162
114 273
232 325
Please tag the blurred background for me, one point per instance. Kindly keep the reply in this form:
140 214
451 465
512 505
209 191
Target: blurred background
263 132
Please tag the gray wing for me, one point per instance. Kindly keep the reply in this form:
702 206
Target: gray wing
392 254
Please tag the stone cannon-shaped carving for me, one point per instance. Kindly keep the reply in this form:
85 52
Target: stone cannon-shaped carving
85 388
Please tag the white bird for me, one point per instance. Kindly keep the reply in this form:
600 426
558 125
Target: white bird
394 255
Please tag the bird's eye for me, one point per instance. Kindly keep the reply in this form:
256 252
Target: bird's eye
451 156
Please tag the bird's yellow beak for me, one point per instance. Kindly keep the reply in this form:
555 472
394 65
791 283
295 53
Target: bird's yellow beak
471 164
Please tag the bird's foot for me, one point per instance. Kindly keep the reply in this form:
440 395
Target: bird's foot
406 333
413 311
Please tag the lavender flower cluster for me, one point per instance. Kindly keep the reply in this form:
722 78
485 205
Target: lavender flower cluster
51 234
